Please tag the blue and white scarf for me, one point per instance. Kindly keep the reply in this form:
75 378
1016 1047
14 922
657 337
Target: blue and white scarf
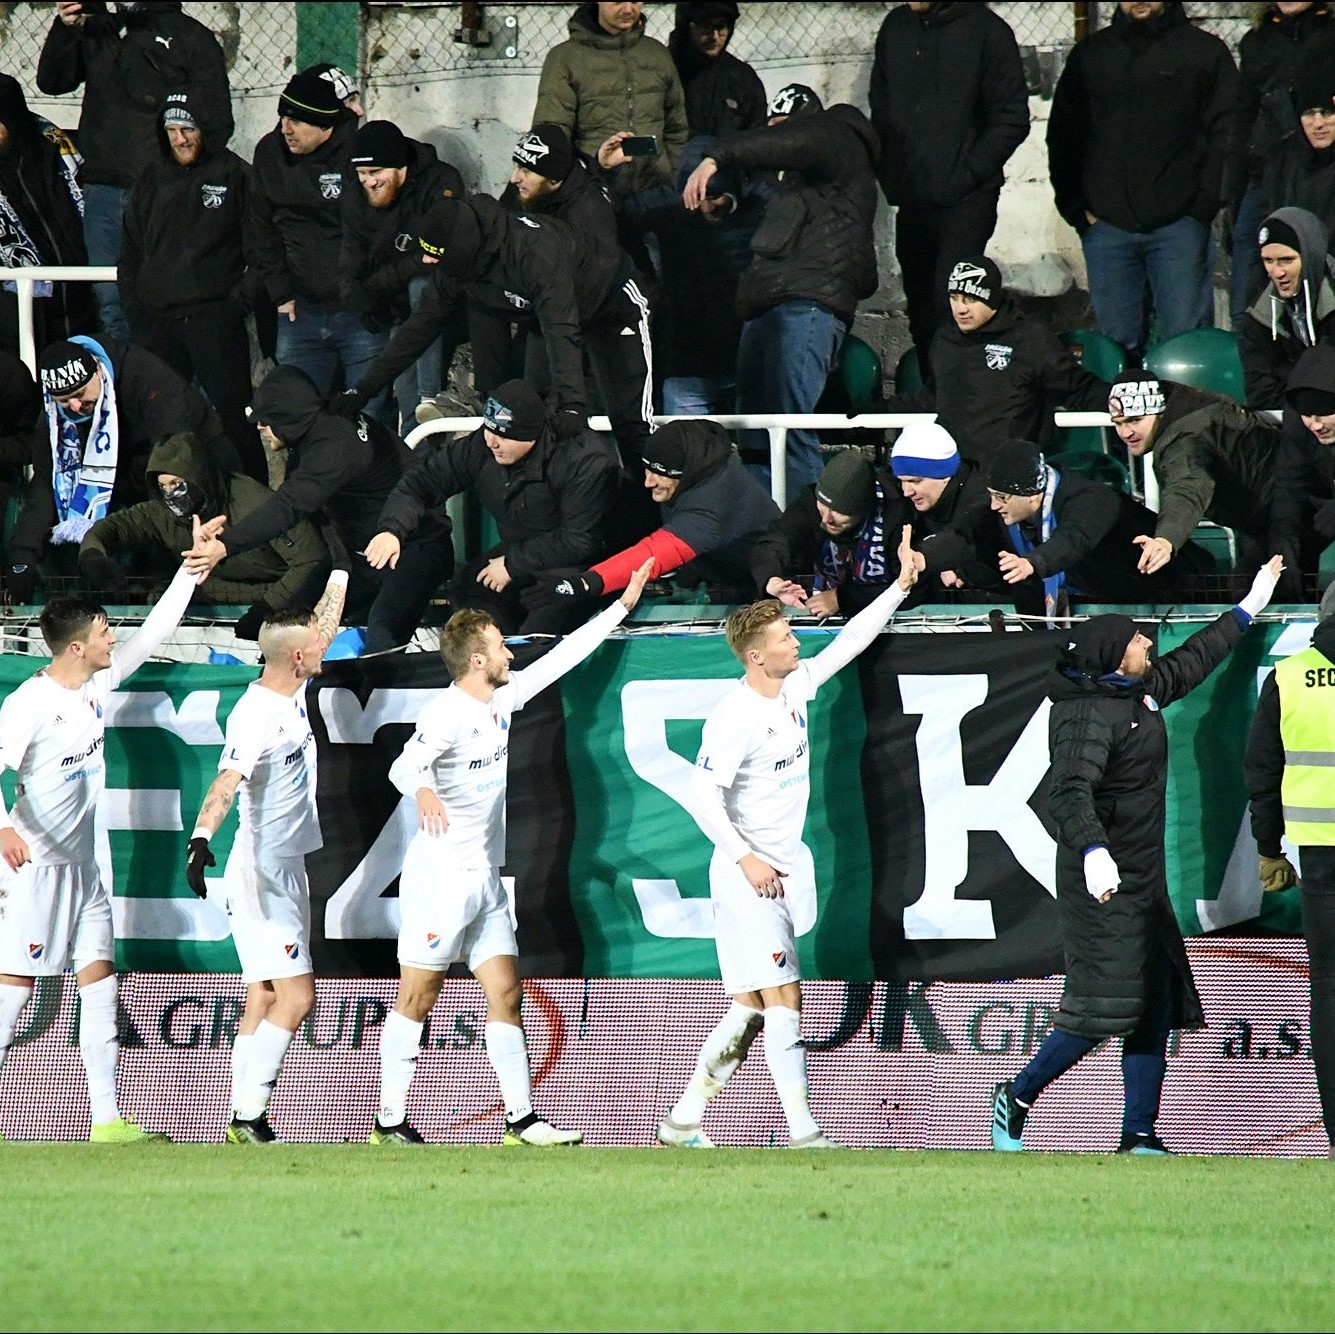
83 474
864 562
1047 525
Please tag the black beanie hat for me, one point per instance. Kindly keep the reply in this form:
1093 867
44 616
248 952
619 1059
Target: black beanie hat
848 484
515 411
1017 469
1136 394
1311 401
379 143
1098 645
978 277
793 99
1275 231
310 99
65 367
1314 86
546 149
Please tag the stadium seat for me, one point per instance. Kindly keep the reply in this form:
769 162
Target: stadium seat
1203 358
908 374
1100 356
346 644
1220 542
855 382
1092 463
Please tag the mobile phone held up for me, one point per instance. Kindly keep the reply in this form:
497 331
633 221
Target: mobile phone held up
640 145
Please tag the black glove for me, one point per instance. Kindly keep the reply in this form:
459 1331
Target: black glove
98 570
349 403
21 583
248 624
1324 518
573 590
568 423
197 858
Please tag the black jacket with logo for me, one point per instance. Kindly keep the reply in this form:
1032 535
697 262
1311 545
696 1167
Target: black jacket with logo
128 65
723 94
186 228
296 210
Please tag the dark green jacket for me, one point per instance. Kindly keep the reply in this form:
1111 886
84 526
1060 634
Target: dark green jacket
272 573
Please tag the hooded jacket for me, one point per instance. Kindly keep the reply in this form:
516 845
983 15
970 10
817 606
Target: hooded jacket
296 210
512 265
949 101
1140 124
596 83
38 182
551 508
1214 460
127 65
186 236
723 94
378 256
342 469
815 240
1108 789
1304 471
1275 332
152 403
1299 176
273 573
1001 382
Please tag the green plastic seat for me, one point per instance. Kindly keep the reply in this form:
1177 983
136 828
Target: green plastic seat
855 382
1203 358
1220 542
1092 463
908 373
1096 352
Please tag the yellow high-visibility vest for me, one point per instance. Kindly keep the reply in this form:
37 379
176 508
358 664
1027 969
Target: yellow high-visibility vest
1306 684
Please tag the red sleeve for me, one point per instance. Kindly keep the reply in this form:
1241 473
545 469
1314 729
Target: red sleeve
670 552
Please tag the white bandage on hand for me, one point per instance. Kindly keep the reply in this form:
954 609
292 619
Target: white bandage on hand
1259 595
1101 875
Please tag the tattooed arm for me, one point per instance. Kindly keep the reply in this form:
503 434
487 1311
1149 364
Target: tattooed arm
217 802
329 609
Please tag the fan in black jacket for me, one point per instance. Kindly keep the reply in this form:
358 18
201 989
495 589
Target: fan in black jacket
1127 972
723 94
182 270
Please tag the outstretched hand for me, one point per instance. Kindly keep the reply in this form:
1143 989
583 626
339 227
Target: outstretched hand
632 592
207 549
908 565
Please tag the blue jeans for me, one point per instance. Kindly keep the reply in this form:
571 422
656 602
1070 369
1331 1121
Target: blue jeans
699 395
425 377
320 340
783 361
103 216
1171 261
1245 275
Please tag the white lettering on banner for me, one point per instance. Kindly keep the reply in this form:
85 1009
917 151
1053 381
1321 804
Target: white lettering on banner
175 918
646 707
195 722
349 724
952 807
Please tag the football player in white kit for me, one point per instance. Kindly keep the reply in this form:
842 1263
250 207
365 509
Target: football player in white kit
269 756
55 912
749 794
451 902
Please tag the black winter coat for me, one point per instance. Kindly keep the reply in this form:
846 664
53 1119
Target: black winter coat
296 210
949 102
1140 126
551 508
815 242
723 95
379 254
1297 176
152 402
1001 382
126 75
511 265
338 468
187 229
1109 782
959 532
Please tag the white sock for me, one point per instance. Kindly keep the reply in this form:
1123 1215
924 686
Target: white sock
723 1051
787 1060
12 1001
509 1058
268 1046
99 1045
240 1050
400 1041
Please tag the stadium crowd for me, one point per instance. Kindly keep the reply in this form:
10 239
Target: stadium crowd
670 239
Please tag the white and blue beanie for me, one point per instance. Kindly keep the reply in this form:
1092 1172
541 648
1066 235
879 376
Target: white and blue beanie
925 449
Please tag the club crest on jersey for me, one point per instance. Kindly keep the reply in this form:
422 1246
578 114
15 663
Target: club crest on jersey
96 708
331 184
213 195
292 951
780 957
36 949
432 940
998 356
799 718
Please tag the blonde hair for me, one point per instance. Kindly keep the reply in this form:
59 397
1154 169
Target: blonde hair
463 635
747 625
284 631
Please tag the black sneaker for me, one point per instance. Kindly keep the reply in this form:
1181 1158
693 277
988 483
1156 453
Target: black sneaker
402 1133
258 1131
1007 1119
1143 1144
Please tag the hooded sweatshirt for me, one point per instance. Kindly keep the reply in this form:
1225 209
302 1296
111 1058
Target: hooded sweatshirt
273 573
186 238
1277 332
723 94
1304 470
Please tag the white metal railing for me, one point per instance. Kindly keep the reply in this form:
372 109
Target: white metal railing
23 280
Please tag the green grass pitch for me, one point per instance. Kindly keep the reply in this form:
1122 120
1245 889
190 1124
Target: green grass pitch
165 1237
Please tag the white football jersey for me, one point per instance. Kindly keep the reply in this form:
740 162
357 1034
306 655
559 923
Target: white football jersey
758 751
269 743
